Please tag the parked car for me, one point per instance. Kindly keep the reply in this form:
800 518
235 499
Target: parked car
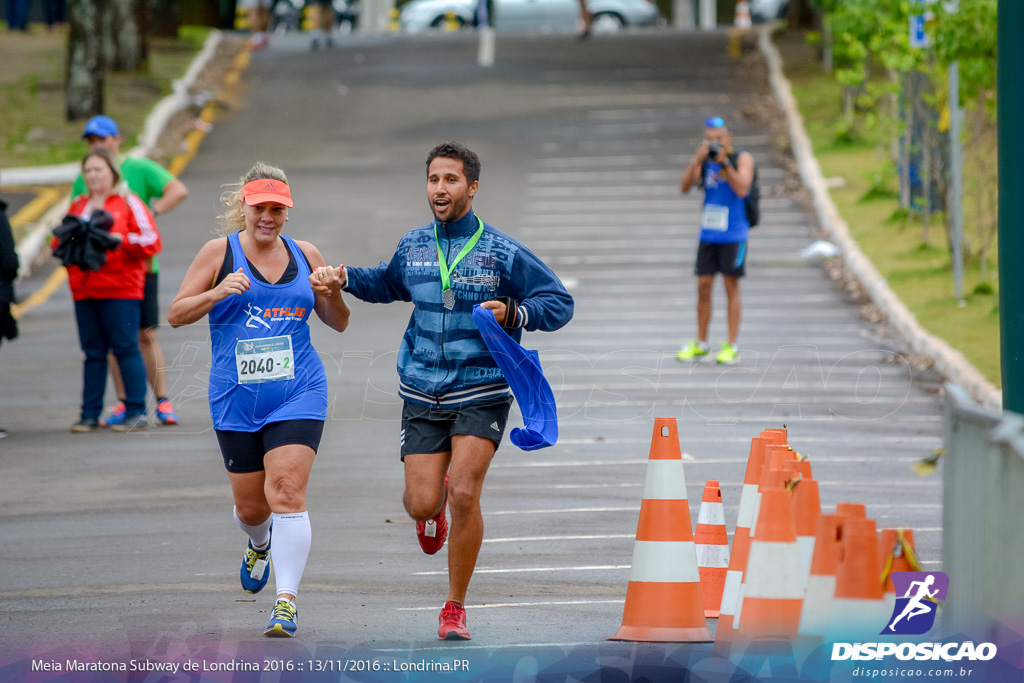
557 15
768 10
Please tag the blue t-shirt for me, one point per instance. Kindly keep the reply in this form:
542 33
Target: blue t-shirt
724 218
265 368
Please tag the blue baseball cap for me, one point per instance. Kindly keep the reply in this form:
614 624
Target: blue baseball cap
102 126
715 122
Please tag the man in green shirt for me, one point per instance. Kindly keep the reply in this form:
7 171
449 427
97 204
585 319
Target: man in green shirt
161 191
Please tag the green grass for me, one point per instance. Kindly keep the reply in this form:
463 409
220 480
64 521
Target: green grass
921 276
33 129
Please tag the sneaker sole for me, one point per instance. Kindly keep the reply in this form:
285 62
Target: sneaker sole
734 361
169 422
278 631
452 635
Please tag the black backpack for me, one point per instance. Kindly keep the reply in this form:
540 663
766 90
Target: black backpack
752 202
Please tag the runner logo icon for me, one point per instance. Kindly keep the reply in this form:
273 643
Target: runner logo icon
914 613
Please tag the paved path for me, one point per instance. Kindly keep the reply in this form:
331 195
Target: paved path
121 546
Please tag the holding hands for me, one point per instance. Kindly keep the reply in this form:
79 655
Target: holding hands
328 280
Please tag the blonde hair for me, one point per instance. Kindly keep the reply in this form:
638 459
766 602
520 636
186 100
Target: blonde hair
108 158
231 219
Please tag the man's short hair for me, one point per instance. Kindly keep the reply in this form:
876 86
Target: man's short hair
454 150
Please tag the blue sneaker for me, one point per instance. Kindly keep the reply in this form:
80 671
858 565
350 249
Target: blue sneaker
165 413
255 570
282 622
116 417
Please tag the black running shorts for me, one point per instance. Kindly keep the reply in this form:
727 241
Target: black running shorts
426 429
728 259
150 303
243 451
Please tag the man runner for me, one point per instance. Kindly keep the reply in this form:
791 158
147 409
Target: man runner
456 398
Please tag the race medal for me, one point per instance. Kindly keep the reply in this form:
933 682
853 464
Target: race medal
715 218
447 295
268 359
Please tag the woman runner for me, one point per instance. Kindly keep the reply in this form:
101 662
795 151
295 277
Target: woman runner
268 389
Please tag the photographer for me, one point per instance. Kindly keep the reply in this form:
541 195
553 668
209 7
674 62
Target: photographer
726 176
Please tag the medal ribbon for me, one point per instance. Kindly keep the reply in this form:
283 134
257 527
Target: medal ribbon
445 270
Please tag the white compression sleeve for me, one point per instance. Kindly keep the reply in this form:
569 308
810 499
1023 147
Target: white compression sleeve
292 538
259 534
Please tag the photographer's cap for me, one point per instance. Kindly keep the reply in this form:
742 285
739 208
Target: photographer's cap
267 190
715 122
103 126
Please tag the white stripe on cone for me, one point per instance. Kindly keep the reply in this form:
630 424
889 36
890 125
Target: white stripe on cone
817 609
665 480
774 571
713 556
664 562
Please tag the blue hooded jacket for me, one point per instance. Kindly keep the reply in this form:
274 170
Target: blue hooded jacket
443 360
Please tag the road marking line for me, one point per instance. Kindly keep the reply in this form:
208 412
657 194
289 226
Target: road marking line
41 295
518 604
525 570
36 207
631 508
523 539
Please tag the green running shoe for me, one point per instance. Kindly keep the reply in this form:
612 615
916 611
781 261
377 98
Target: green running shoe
729 355
693 351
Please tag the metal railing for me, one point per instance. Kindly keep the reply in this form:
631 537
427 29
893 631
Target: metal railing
982 518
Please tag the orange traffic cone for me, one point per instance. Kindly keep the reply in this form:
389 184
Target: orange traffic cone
859 606
663 599
773 590
742 15
712 548
740 545
806 510
821 585
779 437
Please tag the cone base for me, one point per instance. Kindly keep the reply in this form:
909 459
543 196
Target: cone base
654 634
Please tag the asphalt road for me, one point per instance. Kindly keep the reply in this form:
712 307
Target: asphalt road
120 547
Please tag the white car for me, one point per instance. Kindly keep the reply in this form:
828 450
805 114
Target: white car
556 15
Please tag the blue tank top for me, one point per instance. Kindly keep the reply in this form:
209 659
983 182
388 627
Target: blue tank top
724 218
264 367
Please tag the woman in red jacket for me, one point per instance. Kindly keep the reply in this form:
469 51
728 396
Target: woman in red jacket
108 302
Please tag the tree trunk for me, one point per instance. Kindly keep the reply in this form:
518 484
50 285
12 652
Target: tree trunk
164 18
84 72
909 98
124 37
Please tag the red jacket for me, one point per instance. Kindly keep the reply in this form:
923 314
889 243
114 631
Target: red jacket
124 274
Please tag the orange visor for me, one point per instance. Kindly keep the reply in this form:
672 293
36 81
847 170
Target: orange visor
266 190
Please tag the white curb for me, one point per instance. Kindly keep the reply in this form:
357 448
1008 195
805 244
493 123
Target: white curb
948 361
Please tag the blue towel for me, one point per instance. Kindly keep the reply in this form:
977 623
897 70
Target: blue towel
525 377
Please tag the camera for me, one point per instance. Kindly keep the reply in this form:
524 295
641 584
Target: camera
713 149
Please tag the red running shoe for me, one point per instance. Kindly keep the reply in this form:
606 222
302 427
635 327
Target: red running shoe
432 533
452 622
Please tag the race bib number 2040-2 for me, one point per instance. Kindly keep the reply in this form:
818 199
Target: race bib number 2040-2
269 359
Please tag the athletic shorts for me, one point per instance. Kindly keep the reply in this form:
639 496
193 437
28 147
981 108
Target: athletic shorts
243 451
426 429
150 303
729 259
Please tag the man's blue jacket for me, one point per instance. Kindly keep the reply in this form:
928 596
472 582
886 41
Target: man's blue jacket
443 360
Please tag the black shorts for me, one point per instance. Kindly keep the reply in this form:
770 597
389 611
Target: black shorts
426 429
150 303
728 259
243 451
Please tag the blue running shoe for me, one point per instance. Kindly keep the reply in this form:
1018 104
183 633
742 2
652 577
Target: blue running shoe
255 570
165 413
117 415
282 622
